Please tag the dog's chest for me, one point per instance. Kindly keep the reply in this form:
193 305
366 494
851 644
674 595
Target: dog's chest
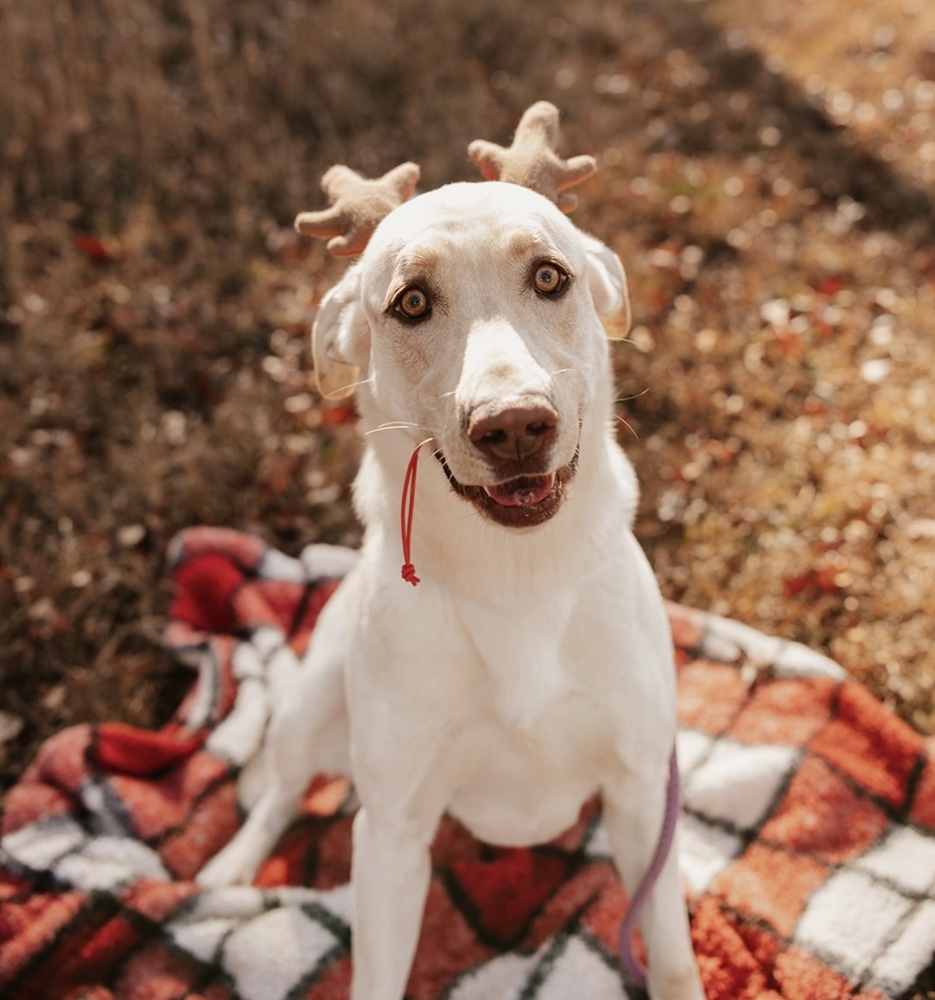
538 739
518 788
524 657
541 733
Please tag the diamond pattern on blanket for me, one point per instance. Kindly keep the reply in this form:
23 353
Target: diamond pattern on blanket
574 963
692 747
910 949
807 841
705 850
709 695
824 816
905 858
785 712
736 784
750 886
501 977
850 919
268 955
872 748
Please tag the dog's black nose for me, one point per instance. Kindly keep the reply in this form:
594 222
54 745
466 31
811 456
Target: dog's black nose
513 433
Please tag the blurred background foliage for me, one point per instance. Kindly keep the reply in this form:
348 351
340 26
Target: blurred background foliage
767 176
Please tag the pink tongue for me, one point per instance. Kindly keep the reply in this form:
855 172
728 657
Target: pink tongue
524 492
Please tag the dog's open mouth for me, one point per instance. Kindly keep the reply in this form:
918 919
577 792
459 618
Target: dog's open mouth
521 502
524 491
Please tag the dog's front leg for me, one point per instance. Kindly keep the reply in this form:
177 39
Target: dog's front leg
307 734
634 806
303 726
391 873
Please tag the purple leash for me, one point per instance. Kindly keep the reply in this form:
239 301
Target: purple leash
629 961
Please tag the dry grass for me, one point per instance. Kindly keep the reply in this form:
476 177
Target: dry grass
154 302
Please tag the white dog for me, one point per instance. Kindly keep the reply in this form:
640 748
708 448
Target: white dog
532 666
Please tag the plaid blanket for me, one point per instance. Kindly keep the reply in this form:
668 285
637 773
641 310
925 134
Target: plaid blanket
807 835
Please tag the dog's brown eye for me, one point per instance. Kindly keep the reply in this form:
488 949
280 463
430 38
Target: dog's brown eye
549 279
412 303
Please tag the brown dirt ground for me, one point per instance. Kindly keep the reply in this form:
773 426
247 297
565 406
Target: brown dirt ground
767 175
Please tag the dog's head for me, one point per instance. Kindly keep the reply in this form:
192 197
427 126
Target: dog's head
473 319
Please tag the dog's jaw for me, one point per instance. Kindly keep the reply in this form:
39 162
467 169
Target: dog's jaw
520 502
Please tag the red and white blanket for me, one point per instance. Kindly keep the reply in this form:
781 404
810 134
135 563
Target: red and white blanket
807 836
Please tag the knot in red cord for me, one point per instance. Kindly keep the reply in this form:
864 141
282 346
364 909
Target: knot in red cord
407 508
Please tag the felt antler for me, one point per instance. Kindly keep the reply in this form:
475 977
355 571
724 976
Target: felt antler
531 160
358 205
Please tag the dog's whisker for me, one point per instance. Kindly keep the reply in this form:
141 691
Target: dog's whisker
628 426
393 425
633 344
636 395
348 387
568 371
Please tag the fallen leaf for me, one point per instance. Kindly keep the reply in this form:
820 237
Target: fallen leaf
335 416
130 535
824 580
10 726
92 248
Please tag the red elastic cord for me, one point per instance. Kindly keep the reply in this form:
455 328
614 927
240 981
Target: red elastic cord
407 506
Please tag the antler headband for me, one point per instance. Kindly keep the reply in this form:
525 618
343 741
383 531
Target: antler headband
358 205
531 160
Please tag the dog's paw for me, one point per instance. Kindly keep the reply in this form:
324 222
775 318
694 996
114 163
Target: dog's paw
225 869
676 986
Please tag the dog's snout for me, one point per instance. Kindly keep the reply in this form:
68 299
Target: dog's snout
515 432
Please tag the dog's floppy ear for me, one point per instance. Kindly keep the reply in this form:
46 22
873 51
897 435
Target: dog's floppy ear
607 282
341 339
